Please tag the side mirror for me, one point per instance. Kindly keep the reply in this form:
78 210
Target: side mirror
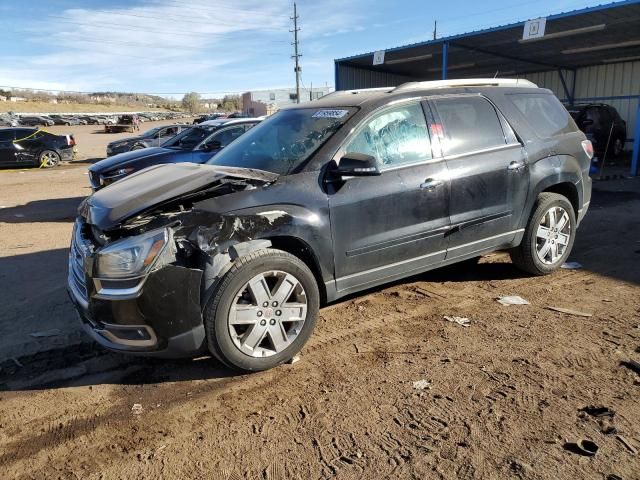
358 165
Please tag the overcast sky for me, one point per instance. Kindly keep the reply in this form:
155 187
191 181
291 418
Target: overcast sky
215 47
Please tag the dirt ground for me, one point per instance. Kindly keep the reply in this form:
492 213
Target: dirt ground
503 398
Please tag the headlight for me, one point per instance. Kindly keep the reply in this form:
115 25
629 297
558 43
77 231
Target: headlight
116 174
131 257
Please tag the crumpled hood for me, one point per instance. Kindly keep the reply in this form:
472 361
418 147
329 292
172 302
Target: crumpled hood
109 207
123 159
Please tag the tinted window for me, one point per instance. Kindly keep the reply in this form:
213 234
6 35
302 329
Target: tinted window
225 137
188 139
470 124
544 113
6 135
397 136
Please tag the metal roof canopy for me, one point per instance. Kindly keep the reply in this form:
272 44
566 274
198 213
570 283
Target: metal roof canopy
602 34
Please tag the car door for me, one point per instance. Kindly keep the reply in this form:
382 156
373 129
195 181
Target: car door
28 144
7 149
223 137
489 176
391 225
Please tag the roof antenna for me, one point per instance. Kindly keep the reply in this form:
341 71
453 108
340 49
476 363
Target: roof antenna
497 71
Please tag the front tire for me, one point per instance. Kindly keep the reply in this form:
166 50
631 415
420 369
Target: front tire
263 311
548 237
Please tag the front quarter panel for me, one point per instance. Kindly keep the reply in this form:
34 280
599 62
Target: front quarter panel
294 206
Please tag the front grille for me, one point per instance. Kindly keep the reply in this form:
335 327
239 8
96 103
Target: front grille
80 249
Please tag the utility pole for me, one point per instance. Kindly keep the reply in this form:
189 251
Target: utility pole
296 55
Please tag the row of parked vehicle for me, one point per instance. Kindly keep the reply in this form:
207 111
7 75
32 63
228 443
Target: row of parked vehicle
14 120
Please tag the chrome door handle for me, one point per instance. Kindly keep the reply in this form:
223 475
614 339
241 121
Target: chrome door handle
515 166
430 184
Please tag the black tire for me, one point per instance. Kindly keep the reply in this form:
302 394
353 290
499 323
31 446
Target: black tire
525 256
216 312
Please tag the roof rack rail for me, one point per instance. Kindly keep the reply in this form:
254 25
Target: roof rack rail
468 82
358 90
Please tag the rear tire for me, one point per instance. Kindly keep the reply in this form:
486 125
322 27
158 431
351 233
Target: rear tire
48 159
262 312
548 237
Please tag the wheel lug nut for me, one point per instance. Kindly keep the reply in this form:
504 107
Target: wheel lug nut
278 312
260 313
274 304
265 304
272 321
263 322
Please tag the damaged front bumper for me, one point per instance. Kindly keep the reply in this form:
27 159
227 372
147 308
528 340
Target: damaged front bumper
158 314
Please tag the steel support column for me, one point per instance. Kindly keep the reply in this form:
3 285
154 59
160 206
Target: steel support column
445 59
568 94
636 145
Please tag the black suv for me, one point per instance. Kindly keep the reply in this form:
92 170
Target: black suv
603 125
321 200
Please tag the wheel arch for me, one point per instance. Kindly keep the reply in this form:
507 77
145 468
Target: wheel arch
567 190
301 249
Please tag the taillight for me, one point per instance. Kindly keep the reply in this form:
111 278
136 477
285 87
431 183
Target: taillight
587 146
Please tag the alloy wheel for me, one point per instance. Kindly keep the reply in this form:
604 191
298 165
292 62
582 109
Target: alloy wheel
267 314
553 235
49 159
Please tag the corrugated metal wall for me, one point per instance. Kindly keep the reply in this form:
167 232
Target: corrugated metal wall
351 78
617 84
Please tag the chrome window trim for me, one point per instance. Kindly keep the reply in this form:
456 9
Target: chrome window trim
439 252
483 150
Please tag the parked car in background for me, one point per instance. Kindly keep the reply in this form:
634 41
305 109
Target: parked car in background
320 201
67 120
151 138
207 117
8 120
30 147
601 123
237 115
36 121
196 145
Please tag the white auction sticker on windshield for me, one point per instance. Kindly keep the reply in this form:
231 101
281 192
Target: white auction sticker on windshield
330 113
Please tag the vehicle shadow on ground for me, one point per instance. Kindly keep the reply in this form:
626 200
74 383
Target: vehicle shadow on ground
87 161
89 364
53 210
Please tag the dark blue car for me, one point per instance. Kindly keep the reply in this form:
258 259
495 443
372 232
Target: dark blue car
196 145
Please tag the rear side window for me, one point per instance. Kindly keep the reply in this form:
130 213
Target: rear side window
470 124
544 113
6 135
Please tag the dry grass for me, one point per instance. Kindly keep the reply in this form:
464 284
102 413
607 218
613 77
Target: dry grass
42 107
